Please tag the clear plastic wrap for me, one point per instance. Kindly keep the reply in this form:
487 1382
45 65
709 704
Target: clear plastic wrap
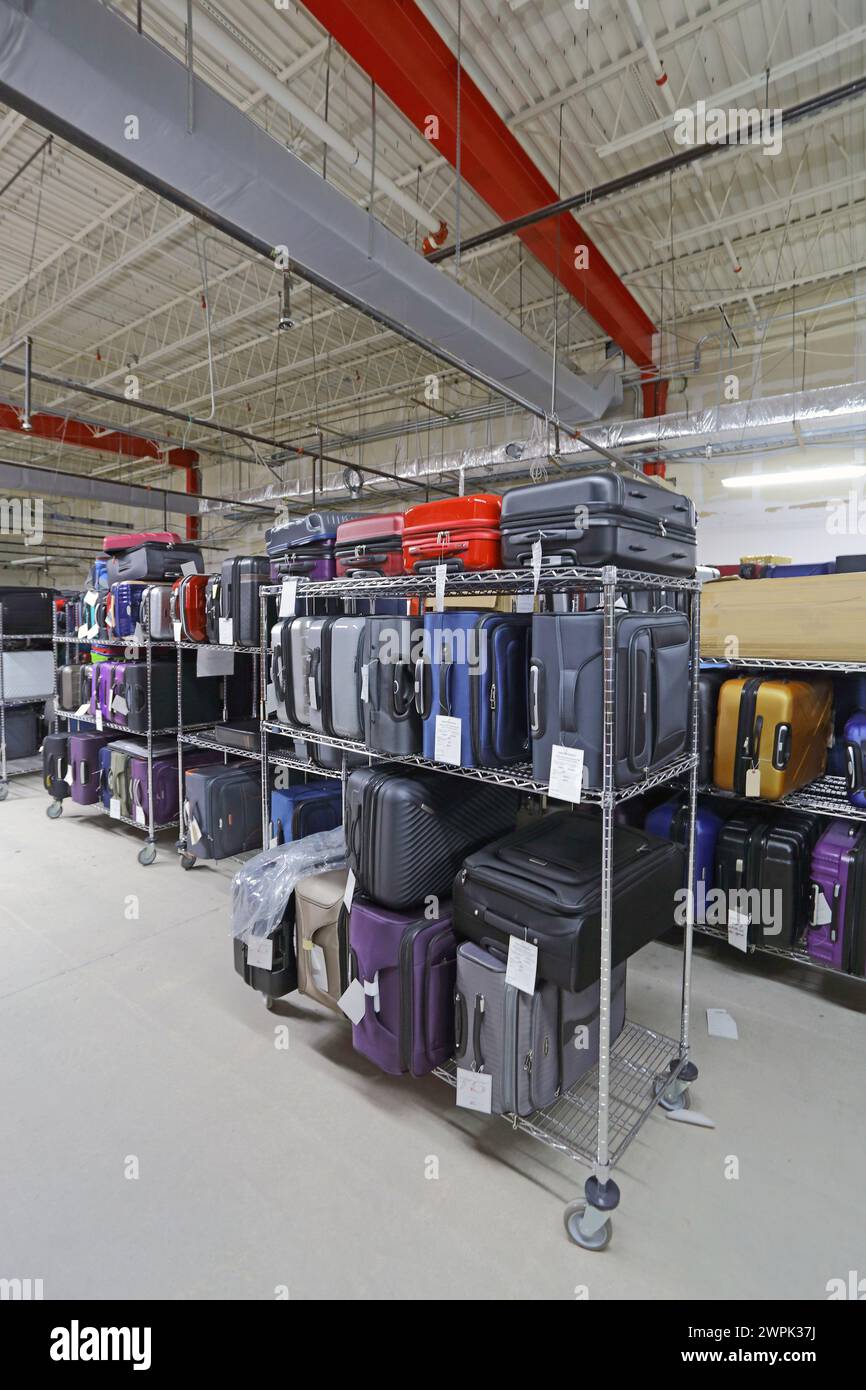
262 888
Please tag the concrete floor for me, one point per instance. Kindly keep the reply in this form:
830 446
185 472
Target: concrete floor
305 1168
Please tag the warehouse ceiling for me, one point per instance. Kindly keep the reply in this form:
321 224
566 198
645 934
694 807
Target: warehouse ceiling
123 291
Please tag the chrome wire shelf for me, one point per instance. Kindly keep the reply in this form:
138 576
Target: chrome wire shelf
211 647
639 1069
130 641
123 728
9 637
303 765
776 663
141 825
825 797
202 741
21 767
18 701
484 581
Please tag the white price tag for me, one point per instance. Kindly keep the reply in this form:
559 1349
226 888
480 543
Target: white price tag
194 831
260 952
119 705
365 684
81 711
226 631
114 808
566 773
270 698
441 576
92 632
189 568
753 781
312 692
91 597
721 1024
536 565
210 661
82 632
525 603
288 597
69 775
318 967
447 748
738 930
522 964
98 718
349 893
178 632
353 1002
138 637
140 817
823 914
475 1090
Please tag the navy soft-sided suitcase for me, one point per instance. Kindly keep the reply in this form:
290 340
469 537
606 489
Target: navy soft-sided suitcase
670 821
799 571
222 809
304 810
475 668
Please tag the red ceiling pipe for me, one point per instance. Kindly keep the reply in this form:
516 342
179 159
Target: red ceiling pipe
66 430
397 46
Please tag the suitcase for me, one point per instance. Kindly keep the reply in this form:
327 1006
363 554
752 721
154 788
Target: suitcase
837 930
240 581
461 533
134 540
343 711
202 698
188 607
97 577
84 757
781 727
769 859
127 599
55 763
710 682
212 607
240 733
22 732
153 562
407 831
370 545
155 615
600 518
222 810
799 571
534 1046
475 668
855 774
314 562
322 937
163 780
406 964
652 691
76 686
391 647
312 529
850 564
27 611
304 667
282 978
113 781
670 821
543 883
304 810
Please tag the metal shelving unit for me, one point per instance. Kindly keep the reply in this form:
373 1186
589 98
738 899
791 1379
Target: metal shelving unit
16 767
596 1120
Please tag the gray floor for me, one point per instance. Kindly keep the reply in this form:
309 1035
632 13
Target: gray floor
305 1169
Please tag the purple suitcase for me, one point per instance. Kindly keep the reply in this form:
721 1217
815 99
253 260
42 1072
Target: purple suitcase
854 742
312 561
102 687
84 761
407 965
837 934
164 778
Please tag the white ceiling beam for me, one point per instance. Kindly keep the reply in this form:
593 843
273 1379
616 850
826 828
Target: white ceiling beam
775 205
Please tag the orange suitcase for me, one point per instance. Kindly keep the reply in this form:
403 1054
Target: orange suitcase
777 728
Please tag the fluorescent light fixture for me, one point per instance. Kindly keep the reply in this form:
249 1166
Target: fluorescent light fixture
827 473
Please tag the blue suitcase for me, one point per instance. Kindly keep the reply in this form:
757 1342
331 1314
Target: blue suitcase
303 810
475 667
670 822
127 606
799 571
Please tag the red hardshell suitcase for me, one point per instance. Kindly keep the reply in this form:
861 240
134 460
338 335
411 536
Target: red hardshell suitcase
461 533
371 545
133 540
189 607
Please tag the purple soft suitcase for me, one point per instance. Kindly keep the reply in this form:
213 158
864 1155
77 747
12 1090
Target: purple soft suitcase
407 965
854 743
312 561
102 689
164 779
84 760
670 822
837 934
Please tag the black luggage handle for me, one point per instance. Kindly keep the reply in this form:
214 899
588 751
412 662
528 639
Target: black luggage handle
314 670
460 1021
403 689
477 1021
854 767
423 683
277 670
536 698
445 669
782 745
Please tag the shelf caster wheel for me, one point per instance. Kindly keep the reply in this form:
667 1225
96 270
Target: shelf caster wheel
270 1001
187 861
54 810
147 855
598 1240
4 791
682 1101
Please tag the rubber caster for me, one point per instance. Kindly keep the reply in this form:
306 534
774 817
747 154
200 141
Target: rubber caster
147 855
599 1240
270 1001
682 1102
187 861
54 810
4 791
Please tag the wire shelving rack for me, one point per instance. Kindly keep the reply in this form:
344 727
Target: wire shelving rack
16 767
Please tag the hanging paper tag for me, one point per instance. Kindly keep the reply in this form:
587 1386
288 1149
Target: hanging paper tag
288 597
178 632
753 781
138 636
738 930
270 698
566 773
82 632
447 747
69 775
525 603
194 831
226 631
441 576
475 1090
92 632
210 661
189 568
349 893
119 705
114 808
91 597
260 952
81 711
318 968
522 964
823 913
313 694
98 719
365 684
353 1002
536 565
140 817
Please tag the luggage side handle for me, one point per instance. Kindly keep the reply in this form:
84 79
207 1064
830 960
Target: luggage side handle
423 683
854 767
536 698
460 1024
478 1020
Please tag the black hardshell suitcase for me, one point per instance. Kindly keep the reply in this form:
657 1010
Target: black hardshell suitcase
600 518
202 698
709 684
542 883
240 582
282 978
26 610
225 804
55 763
773 858
391 646
407 831
240 733
652 691
212 607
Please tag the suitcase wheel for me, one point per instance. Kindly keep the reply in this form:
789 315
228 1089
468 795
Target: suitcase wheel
188 861
270 1001
147 855
599 1240
54 809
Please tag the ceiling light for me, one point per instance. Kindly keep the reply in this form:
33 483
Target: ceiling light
828 473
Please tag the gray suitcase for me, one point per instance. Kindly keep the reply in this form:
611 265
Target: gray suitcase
306 673
344 717
652 691
533 1046
76 683
222 810
281 678
156 612
153 562
391 647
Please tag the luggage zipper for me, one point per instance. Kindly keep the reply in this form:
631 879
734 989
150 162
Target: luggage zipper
855 925
509 1050
744 755
431 948
475 693
369 795
503 883
407 948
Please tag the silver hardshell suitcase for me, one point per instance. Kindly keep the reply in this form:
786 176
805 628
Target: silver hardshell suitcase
343 711
156 611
